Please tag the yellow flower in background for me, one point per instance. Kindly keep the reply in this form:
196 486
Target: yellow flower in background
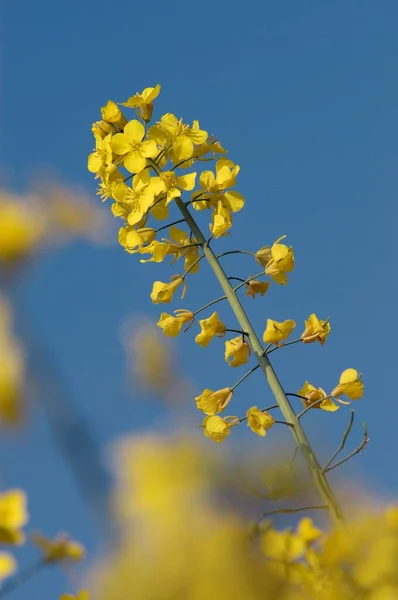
315 330
22 229
112 114
175 184
216 428
237 351
143 102
307 531
350 385
256 287
210 327
60 549
132 147
313 394
283 546
13 516
276 332
211 402
8 565
163 292
172 326
12 370
277 260
259 421
226 172
82 595
101 158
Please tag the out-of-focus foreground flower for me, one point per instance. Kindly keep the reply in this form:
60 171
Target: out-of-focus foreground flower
177 542
11 369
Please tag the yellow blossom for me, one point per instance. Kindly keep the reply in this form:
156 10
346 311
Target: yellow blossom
102 128
277 332
307 531
277 260
174 184
61 549
210 327
222 221
237 351
8 565
259 421
101 158
181 137
185 247
13 516
140 197
315 330
112 114
133 239
350 385
216 428
143 102
256 287
226 172
131 146
282 545
314 395
163 292
22 229
172 326
211 402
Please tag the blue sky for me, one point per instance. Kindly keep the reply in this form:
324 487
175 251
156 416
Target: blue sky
304 97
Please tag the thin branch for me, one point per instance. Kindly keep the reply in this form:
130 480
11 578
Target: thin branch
357 450
312 405
342 443
202 308
245 376
288 511
283 346
170 225
237 279
195 262
235 252
266 409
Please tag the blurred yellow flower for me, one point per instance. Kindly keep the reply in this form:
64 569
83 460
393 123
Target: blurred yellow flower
276 332
210 327
13 516
60 549
82 595
313 394
22 229
315 330
259 421
211 402
172 326
8 565
237 351
350 385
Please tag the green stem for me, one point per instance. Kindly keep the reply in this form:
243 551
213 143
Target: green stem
299 435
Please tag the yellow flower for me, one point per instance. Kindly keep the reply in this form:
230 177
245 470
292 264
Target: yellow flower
276 332
282 545
140 197
222 221
13 516
315 330
8 566
210 327
143 103
112 114
174 184
82 595
133 239
259 421
181 137
211 402
131 146
226 172
185 248
237 351
22 229
350 385
307 532
101 158
61 549
217 428
277 260
172 326
163 292
102 128
313 394
256 287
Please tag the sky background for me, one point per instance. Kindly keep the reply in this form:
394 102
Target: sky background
304 97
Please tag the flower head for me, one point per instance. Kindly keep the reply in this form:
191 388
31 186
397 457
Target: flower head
172 326
143 102
259 421
211 402
277 260
111 113
174 184
276 332
163 292
256 287
217 428
132 148
210 327
13 516
237 351
316 397
61 549
315 330
350 385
